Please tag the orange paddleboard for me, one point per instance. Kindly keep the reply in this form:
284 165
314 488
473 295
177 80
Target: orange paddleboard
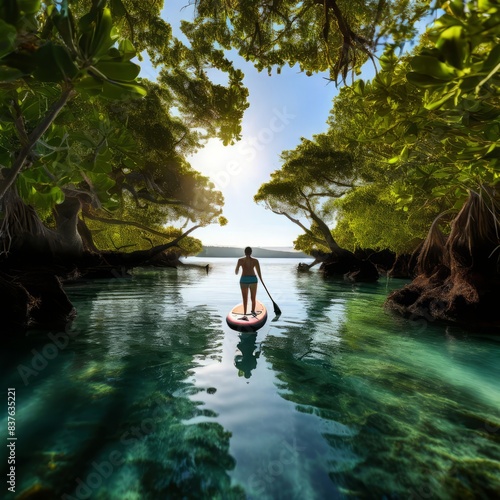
247 322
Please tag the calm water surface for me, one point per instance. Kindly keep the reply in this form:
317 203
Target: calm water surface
152 396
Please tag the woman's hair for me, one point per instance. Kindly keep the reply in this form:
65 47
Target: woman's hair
248 251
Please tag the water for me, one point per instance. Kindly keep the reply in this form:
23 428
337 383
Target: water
150 395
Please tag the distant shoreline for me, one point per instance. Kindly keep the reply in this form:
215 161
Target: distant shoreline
210 251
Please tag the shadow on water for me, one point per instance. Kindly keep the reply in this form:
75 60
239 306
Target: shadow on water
404 411
107 413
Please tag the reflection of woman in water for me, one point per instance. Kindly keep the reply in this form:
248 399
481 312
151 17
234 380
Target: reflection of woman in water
246 358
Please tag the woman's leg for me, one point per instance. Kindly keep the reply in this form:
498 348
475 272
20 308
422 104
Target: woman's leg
244 294
253 294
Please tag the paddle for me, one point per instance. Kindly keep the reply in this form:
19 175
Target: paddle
277 310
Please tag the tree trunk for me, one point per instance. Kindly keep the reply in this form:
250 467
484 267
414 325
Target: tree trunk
22 232
319 257
86 236
325 231
66 217
53 310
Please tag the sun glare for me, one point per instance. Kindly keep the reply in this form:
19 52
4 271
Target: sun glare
230 167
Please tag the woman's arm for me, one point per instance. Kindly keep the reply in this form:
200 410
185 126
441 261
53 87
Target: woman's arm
257 268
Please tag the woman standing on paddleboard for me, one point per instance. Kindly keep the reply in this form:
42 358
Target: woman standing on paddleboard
248 279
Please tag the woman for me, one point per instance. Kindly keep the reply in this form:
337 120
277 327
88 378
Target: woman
248 279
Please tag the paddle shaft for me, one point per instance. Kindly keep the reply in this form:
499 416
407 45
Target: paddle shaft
277 310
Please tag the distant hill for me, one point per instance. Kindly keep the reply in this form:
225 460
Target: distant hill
257 253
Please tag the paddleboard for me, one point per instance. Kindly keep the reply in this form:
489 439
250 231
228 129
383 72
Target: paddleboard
247 322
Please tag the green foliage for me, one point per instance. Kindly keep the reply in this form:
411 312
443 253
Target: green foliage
439 108
311 175
310 241
369 217
127 238
47 58
338 36
423 132
313 171
76 121
214 109
217 109
49 45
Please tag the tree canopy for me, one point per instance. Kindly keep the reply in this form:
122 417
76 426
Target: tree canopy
439 107
318 35
310 177
78 122
423 133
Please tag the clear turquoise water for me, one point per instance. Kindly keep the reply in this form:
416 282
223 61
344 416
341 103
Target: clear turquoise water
154 397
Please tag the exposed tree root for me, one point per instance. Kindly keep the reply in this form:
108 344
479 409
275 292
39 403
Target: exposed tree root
459 276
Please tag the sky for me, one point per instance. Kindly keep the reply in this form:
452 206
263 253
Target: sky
283 108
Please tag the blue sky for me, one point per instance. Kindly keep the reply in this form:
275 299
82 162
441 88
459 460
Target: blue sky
283 108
